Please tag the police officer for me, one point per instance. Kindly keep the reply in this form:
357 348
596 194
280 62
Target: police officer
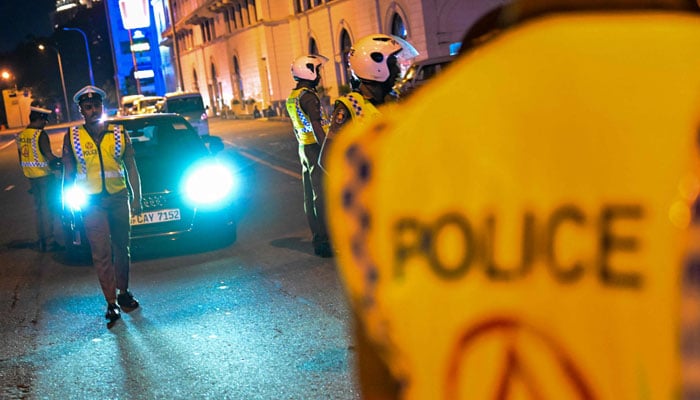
310 126
375 63
38 164
99 160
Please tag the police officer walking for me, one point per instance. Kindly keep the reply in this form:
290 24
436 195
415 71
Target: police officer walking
374 61
38 164
310 126
99 160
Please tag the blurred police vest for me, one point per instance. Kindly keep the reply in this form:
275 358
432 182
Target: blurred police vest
530 241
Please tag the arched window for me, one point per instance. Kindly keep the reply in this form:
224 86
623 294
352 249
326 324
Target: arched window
253 11
345 45
313 47
238 79
398 28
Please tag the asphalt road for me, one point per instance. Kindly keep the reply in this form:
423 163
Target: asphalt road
262 318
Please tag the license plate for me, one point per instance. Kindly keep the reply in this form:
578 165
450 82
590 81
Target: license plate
154 217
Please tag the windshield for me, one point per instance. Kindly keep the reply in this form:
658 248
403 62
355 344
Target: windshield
164 138
185 105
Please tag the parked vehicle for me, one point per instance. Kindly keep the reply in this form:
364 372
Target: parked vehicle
147 104
191 106
127 103
188 195
420 72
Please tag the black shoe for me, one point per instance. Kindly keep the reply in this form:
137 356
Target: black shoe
113 313
127 301
324 250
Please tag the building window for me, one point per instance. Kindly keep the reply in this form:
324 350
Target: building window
227 21
250 11
238 79
345 45
232 16
398 28
313 47
239 14
297 6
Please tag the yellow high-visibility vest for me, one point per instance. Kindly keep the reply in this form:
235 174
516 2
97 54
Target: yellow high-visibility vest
32 161
361 110
528 242
97 163
303 130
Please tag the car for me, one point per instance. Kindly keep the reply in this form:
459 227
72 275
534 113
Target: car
420 72
147 104
188 193
191 106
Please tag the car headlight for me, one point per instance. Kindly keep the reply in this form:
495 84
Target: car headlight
209 184
75 198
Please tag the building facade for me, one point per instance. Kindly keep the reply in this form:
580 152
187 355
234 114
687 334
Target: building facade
237 53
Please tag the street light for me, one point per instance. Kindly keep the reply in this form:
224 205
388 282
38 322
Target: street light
63 82
7 76
87 50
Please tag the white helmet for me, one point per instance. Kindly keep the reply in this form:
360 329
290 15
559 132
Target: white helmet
305 67
368 56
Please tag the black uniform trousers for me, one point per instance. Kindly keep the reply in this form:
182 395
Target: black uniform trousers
312 180
46 193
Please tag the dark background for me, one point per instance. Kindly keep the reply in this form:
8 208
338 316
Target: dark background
23 27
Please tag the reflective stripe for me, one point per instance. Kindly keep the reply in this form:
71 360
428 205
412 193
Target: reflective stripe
36 164
356 107
114 174
79 151
359 107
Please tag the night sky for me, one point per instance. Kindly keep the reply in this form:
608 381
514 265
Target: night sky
19 18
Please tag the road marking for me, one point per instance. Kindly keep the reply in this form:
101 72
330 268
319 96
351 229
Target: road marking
7 144
7 189
261 161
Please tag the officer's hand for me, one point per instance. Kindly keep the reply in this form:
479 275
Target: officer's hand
136 206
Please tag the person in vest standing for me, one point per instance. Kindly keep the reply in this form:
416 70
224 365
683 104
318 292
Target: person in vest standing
39 164
374 62
99 160
310 126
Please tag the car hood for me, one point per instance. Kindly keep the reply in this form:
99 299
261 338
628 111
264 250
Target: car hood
164 173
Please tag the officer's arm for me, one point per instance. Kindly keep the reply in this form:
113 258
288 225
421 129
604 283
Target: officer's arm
133 177
68 160
341 116
45 149
311 106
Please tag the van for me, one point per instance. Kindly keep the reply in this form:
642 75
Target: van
127 103
146 105
191 106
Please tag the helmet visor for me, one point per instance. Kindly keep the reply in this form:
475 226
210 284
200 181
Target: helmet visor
405 56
